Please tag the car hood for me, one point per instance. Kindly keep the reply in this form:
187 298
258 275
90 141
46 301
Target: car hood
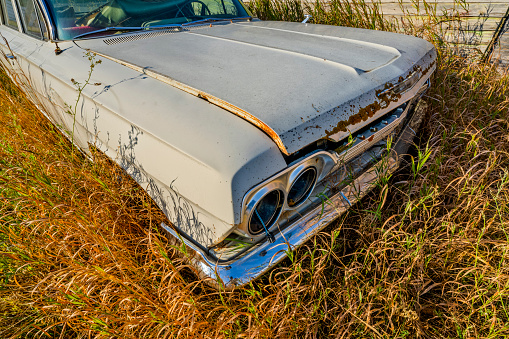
297 82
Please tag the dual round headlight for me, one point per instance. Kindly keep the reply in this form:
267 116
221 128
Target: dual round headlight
301 188
268 209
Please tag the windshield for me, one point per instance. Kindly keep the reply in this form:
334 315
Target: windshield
76 17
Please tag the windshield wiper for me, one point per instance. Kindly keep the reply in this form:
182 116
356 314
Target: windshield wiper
108 29
204 21
132 29
126 29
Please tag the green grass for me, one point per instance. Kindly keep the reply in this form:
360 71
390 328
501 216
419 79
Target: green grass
425 255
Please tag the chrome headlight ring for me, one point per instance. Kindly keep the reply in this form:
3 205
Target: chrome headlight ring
253 212
301 181
315 166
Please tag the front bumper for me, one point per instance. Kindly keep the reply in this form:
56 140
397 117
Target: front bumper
266 255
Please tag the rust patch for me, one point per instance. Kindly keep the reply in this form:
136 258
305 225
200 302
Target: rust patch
366 112
318 127
427 69
210 98
384 101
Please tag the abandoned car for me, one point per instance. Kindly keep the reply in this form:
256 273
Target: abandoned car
251 136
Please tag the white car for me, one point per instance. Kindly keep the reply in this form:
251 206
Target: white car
251 136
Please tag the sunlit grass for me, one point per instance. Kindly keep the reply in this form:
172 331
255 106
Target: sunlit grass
424 255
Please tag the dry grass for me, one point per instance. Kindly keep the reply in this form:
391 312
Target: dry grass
352 13
423 257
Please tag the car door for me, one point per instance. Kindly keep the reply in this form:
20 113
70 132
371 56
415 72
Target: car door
9 24
31 60
22 37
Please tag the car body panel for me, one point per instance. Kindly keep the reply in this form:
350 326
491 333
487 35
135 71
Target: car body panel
177 126
298 83
266 254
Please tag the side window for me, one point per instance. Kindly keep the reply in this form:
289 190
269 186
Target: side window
43 25
8 14
229 7
30 19
214 7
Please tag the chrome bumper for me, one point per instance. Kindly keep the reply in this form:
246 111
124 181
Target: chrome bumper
263 256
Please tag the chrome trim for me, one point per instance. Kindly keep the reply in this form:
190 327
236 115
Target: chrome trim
322 161
257 197
40 20
127 29
294 176
48 21
264 255
124 38
359 145
2 13
210 20
306 18
15 7
414 76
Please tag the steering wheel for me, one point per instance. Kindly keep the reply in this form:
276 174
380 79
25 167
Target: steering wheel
84 19
189 7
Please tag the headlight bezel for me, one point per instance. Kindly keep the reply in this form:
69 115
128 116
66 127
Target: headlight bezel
258 198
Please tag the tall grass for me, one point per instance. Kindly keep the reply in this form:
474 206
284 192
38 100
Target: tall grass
352 13
424 256
445 28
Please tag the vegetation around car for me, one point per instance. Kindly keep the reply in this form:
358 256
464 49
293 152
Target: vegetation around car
162 89
424 255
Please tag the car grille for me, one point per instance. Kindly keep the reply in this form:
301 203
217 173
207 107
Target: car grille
364 148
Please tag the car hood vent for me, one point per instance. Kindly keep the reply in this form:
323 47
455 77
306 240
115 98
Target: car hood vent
139 36
152 34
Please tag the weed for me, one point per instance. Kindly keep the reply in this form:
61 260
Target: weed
73 109
82 255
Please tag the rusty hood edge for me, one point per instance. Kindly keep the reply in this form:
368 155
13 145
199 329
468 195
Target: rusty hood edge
206 96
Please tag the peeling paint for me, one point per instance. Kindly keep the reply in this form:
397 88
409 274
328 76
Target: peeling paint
366 112
385 98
